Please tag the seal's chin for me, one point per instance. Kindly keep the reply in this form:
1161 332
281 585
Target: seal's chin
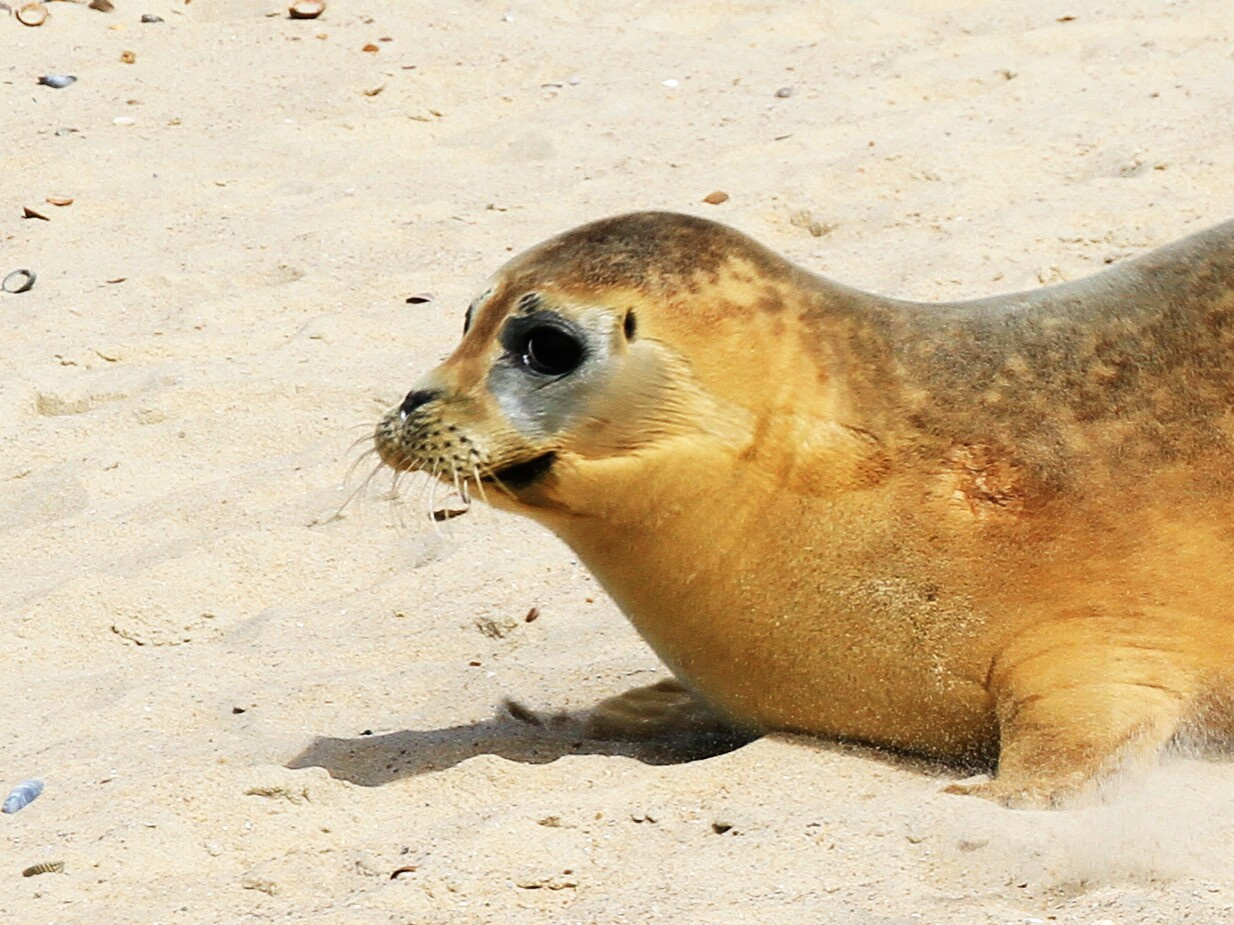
524 474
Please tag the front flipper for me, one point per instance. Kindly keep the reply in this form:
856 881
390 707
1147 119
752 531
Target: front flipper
1077 705
661 710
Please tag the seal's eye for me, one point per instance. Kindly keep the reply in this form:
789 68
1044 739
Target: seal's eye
551 351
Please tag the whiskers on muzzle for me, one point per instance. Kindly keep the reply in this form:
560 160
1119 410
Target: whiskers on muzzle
443 455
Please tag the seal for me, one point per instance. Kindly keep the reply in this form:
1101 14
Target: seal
995 528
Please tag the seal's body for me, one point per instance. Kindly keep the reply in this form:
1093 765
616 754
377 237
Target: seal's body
990 527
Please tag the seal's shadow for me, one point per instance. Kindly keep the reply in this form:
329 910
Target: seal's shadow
372 760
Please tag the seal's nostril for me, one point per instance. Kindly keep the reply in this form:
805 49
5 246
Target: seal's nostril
414 400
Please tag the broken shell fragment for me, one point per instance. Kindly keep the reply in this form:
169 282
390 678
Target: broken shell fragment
128 57
306 9
58 81
18 281
103 6
32 14
150 17
60 200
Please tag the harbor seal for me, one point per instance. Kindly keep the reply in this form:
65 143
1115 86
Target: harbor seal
993 528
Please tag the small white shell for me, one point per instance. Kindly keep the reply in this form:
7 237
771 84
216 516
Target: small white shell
306 9
58 81
18 281
32 14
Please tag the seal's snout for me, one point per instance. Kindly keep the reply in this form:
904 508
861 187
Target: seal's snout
415 398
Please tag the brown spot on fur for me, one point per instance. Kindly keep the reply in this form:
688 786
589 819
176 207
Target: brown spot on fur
656 252
986 481
772 300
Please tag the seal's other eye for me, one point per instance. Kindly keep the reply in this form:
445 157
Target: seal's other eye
551 351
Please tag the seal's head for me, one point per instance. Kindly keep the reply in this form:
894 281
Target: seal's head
633 347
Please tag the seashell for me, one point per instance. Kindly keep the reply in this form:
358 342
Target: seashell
103 6
27 791
60 200
44 867
32 14
306 9
150 17
128 57
15 282
58 81
5 9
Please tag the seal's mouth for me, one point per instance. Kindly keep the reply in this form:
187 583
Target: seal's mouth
524 474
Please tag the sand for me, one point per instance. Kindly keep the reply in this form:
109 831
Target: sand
248 707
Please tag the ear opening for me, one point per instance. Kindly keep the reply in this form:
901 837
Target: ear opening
629 325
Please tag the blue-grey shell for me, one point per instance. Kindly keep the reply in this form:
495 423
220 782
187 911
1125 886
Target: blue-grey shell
23 795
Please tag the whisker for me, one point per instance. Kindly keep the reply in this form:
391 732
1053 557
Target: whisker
432 494
396 482
419 496
443 513
473 484
359 459
479 483
427 484
359 488
360 441
432 499
501 485
460 484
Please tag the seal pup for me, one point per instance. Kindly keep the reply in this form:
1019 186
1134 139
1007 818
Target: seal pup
990 528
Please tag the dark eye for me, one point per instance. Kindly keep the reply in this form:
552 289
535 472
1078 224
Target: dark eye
551 351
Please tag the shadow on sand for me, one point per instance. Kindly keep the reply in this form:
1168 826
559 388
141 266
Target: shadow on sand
372 760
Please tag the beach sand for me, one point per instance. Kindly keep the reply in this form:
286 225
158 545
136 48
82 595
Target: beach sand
250 707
